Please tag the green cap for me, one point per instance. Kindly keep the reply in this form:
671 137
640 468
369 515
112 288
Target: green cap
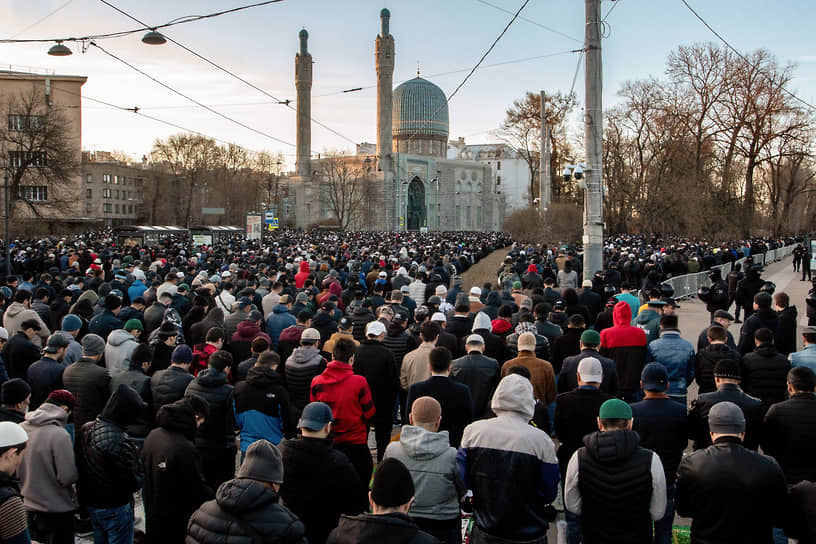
591 338
516 284
134 325
615 409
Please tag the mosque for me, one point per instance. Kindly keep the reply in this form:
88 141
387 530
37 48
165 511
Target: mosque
407 183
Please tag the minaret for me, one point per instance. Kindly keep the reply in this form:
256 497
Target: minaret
303 84
385 89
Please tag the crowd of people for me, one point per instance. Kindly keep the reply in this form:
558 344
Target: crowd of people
248 391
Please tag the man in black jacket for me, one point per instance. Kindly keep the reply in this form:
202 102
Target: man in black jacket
479 373
215 438
786 334
790 428
707 358
45 375
321 483
763 318
663 428
455 398
391 496
174 484
109 468
731 493
87 381
727 380
375 363
765 370
590 341
248 508
20 352
169 385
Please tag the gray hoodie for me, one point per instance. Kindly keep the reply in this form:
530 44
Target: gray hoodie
48 471
118 350
432 463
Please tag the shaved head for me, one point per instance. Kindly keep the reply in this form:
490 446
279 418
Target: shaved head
425 411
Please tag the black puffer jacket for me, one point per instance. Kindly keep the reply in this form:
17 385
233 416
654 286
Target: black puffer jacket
174 486
108 463
320 485
790 436
140 382
396 528
760 319
244 512
398 343
359 319
90 385
375 363
706 360
723 486
481 374
764 375
169 385
218 431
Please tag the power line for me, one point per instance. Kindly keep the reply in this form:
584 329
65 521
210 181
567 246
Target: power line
232 74
178 21
193 100
536 23
40 20
745 59
608 13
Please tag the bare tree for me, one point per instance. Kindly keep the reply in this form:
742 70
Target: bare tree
521 130
343 186
190 158
269 167
39 152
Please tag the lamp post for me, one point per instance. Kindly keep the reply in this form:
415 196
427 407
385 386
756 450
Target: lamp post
367 189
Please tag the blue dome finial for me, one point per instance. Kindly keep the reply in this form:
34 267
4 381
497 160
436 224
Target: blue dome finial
304 39
385 17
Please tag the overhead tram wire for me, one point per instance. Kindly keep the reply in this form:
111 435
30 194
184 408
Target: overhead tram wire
178 21
41 19
234 75
745 59
193 100
536 23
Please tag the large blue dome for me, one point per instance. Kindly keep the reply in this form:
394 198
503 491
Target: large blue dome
420 110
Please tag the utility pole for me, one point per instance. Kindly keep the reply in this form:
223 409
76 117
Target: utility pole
545 176
593 142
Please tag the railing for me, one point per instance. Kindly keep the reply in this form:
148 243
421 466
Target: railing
687 285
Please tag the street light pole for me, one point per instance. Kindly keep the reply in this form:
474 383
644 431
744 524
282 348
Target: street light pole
7 208
593 141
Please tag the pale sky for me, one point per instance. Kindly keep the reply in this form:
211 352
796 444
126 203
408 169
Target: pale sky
442 36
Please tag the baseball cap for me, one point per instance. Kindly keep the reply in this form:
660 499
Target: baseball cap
315 416
310 335
226 274
375 328
439 317
724 315
526 341
475 339
590 370
586 283
654 377
726 418
382 275
560 305
55 342
615 409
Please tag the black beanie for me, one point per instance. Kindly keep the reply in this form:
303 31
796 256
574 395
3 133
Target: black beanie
14 391
392 485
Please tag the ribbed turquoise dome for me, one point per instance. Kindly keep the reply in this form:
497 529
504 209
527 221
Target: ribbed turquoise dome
420 109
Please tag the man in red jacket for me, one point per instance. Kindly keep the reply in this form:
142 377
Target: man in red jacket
349 397
626 345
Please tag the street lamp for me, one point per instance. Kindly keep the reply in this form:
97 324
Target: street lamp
7 207
59 50
367 167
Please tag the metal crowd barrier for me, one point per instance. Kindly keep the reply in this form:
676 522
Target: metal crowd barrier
687 285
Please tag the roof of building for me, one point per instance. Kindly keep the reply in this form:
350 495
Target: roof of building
420 109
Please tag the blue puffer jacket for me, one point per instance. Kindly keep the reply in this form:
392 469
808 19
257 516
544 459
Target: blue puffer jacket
279 319
261 406
677 355
509 465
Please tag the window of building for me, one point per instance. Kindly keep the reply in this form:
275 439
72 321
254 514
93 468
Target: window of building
88 207
28 123
89 193
458 216
116 193
37 193
106 193
479 220
107 207
116 208
498 180
130 208
106 178
28 158
467 216
498 165
88 178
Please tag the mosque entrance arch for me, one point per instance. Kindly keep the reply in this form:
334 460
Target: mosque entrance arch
416 212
